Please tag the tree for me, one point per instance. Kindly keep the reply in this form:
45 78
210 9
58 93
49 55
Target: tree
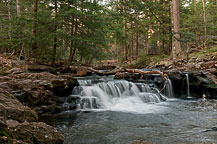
176 46
55 36
204 20
34 24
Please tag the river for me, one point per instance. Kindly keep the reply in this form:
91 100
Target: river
120 112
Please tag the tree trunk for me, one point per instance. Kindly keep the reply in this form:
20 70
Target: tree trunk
9 19
137 45
34 24
55 37
132 47
72 44
73 47
176 49
18 8
204 20
124 46
194 4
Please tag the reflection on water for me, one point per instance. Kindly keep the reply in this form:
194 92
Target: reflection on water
174 121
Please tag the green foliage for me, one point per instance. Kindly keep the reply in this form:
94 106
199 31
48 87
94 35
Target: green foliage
96 30
210 51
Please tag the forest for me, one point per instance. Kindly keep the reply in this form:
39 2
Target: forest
89 31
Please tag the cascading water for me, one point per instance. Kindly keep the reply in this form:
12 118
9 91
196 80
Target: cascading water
188 86
115 95
169 89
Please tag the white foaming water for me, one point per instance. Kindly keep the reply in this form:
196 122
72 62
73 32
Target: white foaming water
188 87
169 89
119 95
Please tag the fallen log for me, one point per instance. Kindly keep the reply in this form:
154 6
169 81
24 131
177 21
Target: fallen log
163 75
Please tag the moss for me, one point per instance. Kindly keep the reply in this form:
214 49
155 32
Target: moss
6 133
209 51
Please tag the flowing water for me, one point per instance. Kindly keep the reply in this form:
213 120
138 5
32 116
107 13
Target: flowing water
188 86
119 112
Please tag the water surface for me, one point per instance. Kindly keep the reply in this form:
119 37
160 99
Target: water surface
182 121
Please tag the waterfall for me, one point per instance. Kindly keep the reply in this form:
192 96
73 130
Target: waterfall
188 86
113 95
169 89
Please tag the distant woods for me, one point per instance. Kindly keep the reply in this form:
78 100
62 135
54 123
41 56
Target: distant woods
87 31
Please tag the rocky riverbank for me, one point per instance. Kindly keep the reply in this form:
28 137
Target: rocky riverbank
25 95
27 91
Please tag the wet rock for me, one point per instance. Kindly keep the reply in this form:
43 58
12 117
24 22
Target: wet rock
11 108
199 83
38 89
36 133
71 102
126 75
50 109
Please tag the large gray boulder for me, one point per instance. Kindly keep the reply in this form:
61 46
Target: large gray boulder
36 133
11 108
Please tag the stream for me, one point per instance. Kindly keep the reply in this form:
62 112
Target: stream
120 112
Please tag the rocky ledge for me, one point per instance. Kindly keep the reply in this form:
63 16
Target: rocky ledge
17 124
23 96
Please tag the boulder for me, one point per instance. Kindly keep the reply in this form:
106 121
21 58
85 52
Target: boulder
83 71
36 133
11 108
38 89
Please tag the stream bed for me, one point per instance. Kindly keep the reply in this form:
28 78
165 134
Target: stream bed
182 121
